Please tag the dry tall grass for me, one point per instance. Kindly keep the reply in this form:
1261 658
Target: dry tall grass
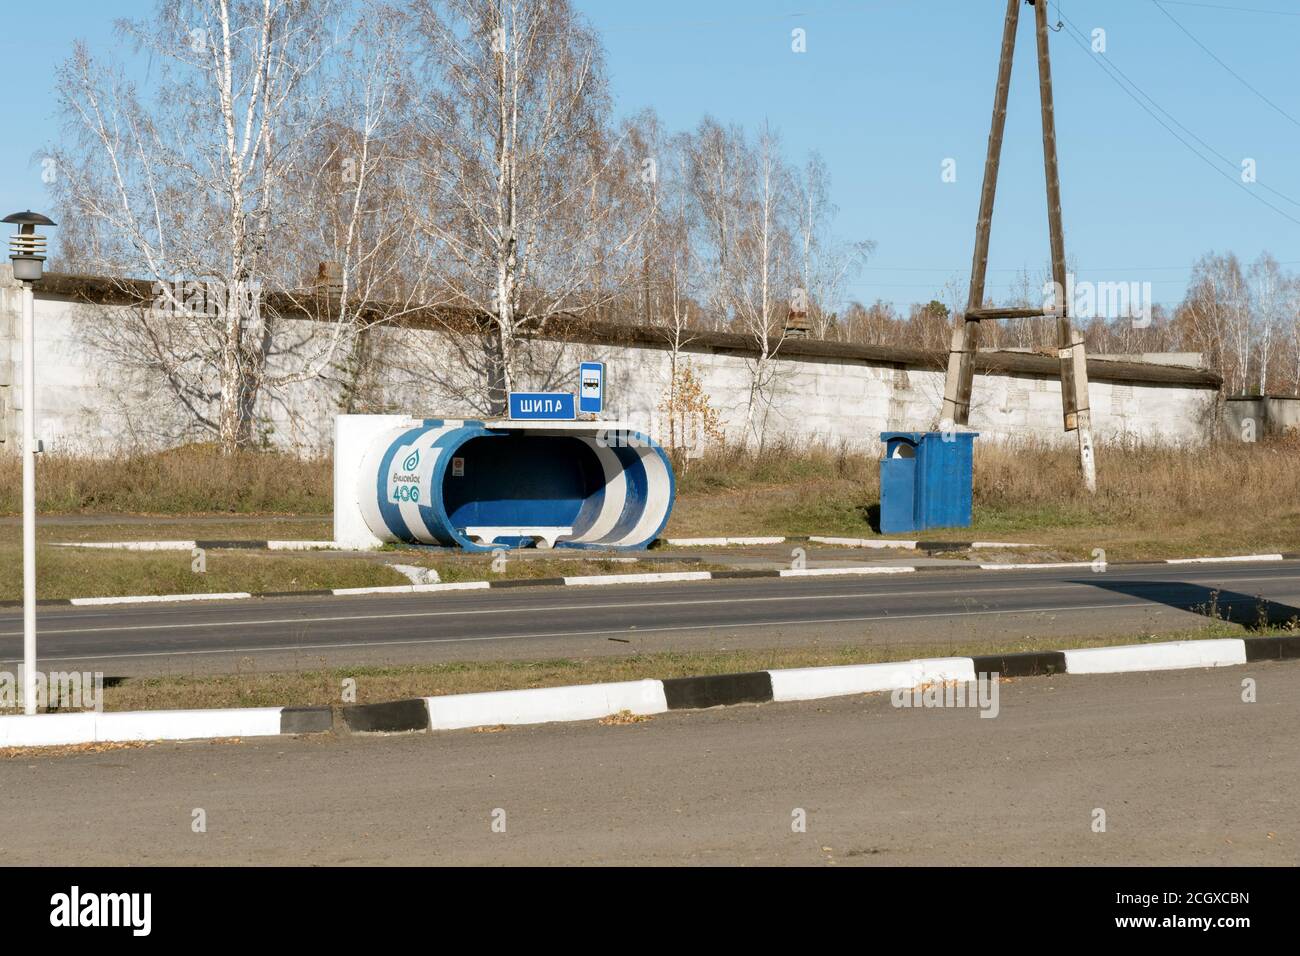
784 488
1132 477
1152 500
192 479
1140 481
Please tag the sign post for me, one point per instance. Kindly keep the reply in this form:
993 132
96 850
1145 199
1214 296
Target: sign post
591 388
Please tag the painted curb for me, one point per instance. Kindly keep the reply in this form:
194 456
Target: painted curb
645 697
906 544
398 716
129 545
720 542
158 598
717 690
546 704
1022 664
410 588
215 544
306 720
126 726
878 543
829 572
1237 557
1282 648
815 683
661 577
1037 567
650 577
231 544
1156 657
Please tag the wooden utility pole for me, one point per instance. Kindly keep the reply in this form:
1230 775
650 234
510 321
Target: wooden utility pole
965 333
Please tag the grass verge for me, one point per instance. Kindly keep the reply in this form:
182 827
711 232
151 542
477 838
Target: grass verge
378 684
76 572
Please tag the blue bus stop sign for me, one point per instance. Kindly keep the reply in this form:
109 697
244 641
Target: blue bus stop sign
553 406
591 387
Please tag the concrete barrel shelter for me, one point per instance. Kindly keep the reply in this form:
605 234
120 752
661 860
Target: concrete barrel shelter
479 485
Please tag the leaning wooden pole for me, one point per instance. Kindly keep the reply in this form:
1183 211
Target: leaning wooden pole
1070 348
966 330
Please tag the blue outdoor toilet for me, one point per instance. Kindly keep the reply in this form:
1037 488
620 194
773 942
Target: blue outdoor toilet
925 480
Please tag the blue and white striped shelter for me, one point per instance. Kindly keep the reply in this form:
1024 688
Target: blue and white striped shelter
479 485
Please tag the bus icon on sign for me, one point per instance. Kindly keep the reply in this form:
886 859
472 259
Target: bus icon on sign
591 387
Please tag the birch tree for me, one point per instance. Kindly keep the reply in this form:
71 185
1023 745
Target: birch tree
760 280
691 416
1268 300
514 161
1293 331
1216 317
718 161
194 182
825 263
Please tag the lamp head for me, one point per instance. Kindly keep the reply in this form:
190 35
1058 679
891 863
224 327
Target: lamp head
27 246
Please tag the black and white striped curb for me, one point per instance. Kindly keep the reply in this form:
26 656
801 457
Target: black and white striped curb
591 580
649 577
877 543
213 544
1102 565
638 697
294 545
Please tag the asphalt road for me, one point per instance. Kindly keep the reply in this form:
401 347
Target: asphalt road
934 607
1185 772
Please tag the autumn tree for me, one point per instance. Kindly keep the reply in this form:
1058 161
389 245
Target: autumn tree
194 181
513 161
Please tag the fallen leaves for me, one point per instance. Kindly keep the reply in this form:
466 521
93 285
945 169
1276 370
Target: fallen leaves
65 750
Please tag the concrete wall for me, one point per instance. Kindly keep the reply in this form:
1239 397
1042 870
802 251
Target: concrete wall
86 402
833 401
1252 417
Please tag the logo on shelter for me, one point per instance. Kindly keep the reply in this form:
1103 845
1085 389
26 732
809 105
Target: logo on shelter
404 483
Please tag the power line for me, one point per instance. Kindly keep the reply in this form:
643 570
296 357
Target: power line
1237 76
1223 6
937 287
731 21
950 269
1107 67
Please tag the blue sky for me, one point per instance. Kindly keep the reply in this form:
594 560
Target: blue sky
889 89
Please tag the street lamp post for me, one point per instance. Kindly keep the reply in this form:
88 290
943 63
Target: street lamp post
27 252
